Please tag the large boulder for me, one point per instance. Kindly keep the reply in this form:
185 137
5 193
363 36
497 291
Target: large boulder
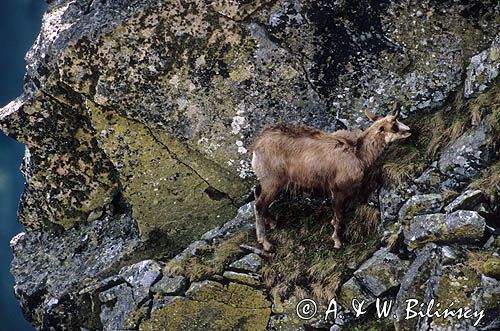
159 102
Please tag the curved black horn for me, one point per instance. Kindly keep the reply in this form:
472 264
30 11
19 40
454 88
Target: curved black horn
396 109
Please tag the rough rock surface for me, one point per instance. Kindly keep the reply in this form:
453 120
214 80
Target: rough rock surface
468 154
50 270
483 69
466 200
138 119
382 272
461 225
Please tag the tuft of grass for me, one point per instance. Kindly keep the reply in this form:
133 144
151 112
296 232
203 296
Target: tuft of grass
211 259
402 164
363 225
489 182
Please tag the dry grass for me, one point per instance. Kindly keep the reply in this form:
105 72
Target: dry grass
489 182
433 132
211 259
363 225
305 261
402 166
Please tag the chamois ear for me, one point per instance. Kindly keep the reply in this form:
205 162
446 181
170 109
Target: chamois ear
396 109
371 115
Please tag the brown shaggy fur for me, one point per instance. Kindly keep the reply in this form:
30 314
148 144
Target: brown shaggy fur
334 163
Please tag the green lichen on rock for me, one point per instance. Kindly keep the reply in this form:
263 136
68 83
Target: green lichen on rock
456 285
68 177
171 189
491 268
213 306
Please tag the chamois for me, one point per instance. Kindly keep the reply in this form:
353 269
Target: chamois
298 156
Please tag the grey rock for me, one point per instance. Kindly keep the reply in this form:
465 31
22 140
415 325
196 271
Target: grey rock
420 204
449 255
251 262
486 297
170 285
489 242
461 225
125 304
118 304
390 201
141 274
243 220
430 179
352 290
482 69
252 249
101 285
190 250
419 283
381 272
470 153
467 200
60 266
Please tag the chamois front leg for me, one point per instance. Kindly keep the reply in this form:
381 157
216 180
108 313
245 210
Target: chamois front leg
338 209
262 215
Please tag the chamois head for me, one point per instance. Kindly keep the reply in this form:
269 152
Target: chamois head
389 126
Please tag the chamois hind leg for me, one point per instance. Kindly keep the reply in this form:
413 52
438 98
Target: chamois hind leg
266 195
338 209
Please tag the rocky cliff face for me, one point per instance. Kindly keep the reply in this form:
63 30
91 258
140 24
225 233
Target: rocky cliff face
137 118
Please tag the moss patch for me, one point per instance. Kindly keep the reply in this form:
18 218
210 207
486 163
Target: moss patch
372 325
491 268
457 284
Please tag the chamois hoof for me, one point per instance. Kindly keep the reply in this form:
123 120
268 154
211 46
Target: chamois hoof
268 247
272 224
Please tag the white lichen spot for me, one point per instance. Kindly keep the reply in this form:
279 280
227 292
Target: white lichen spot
182 103
244 169
237 123
14 241
241 149
200 61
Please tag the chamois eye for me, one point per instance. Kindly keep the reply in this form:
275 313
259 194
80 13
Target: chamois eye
395 128
381 129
